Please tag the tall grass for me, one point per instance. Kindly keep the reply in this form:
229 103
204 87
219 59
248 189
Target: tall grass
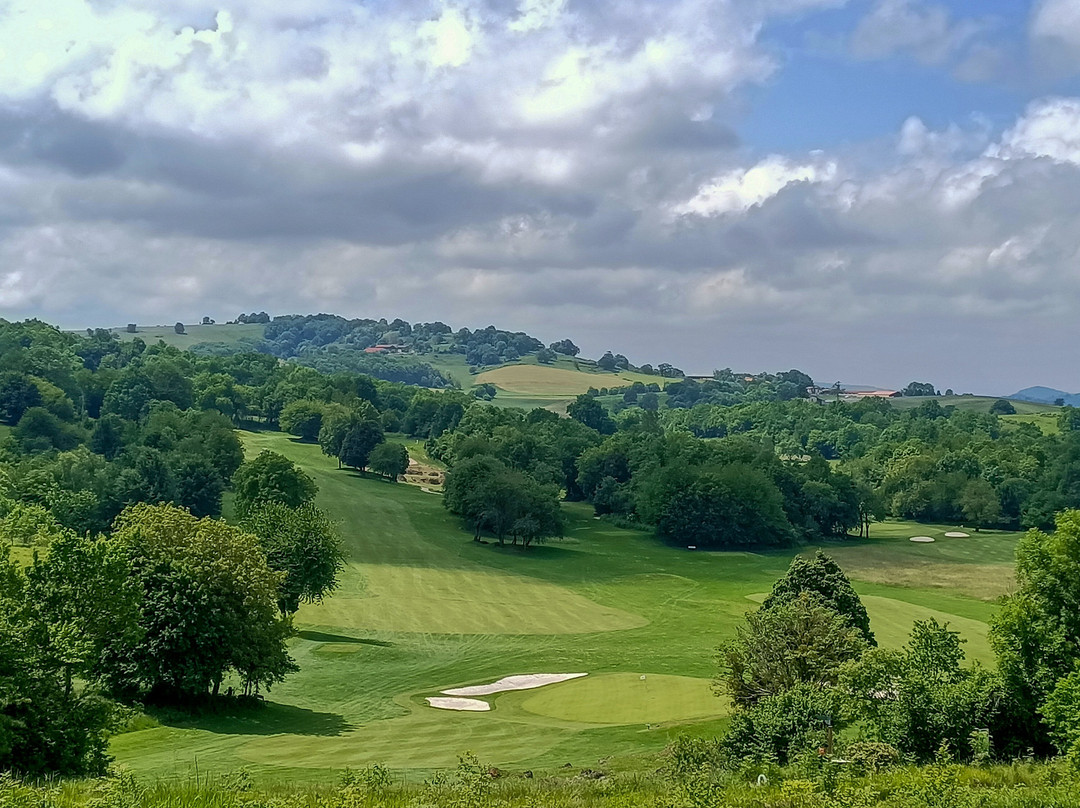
472 785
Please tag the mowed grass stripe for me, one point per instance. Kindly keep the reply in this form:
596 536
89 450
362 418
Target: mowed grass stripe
421 599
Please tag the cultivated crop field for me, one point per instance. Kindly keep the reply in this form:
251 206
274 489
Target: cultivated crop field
422 608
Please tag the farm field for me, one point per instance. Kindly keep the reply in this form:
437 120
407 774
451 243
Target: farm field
422 608
557 380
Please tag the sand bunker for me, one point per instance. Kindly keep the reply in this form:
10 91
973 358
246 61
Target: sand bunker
956 534
467 705
523 682
921 539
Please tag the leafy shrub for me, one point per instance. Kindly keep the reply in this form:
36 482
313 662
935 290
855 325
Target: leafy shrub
870 757
778 727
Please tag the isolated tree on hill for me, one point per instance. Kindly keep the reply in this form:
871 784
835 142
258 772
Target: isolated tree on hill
546 356
1002 407
822 577
179 328
565 347
390 460
358 444
918 389
607 361
798 642
303 544
271 477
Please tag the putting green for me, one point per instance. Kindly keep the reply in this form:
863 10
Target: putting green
464 601
626 698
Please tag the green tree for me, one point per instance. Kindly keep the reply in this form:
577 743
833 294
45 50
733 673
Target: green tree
303 544
980 504
302 418
490 496
18 393
359 442
922 697
390 460
199 487
822 577
209 606
48 726
591 412
271 477
1036 632
1002 407
39 431
128 396
1062 714
727 506
799 641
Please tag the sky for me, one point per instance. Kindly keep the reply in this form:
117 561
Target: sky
872 191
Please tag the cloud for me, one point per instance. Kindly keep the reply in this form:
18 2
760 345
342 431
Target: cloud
1055 31
741 189
551 165
924 29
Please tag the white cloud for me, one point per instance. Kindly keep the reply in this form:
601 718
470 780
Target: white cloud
1049 128
740 189
450 39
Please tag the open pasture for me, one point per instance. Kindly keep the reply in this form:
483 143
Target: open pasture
234 334
422 608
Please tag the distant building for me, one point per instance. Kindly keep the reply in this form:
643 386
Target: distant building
386 349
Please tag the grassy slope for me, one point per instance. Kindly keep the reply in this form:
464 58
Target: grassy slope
423 608
228 334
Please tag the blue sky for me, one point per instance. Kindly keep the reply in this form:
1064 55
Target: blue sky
869 190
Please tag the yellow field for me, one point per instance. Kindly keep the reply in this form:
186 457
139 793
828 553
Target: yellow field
547 381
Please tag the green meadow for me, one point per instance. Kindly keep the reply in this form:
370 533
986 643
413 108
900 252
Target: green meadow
233 334
422 608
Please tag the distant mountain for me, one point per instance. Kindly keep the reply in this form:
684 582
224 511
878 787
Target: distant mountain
1047 395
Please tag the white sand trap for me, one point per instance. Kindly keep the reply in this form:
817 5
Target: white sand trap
466 705
524 682
956 534
921 539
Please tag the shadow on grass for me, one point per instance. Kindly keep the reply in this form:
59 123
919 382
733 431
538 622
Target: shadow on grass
233 717
319 636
